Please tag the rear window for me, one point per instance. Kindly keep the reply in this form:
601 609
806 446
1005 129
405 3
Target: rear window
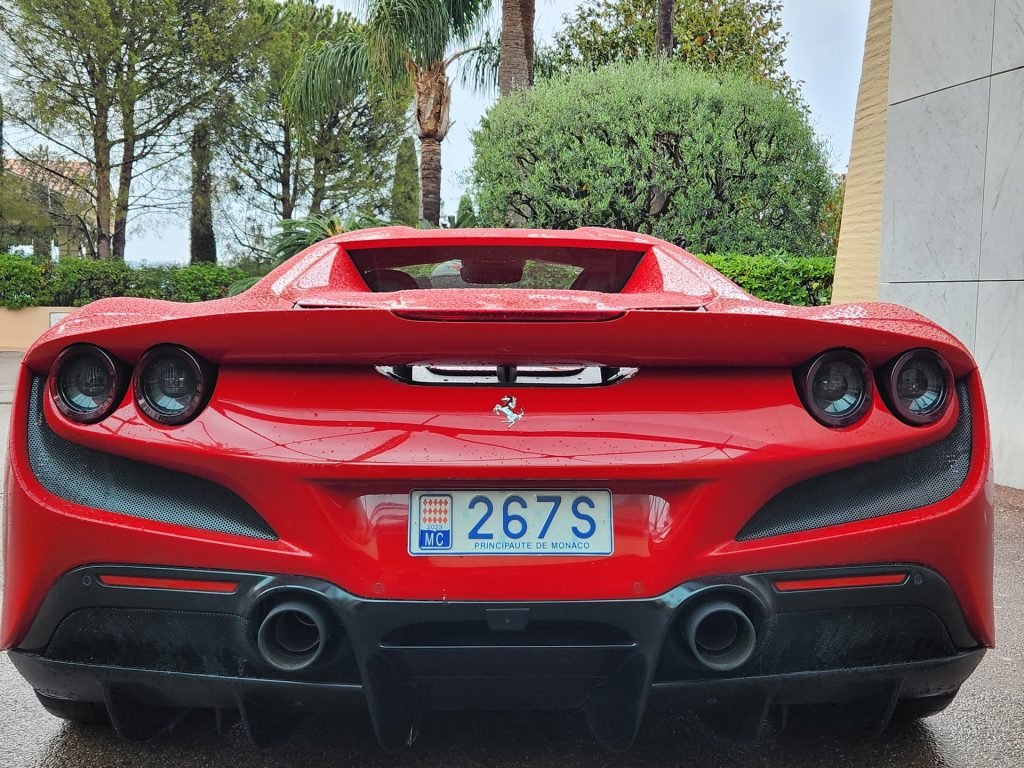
435 267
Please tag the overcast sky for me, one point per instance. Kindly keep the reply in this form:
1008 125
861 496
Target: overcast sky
826 44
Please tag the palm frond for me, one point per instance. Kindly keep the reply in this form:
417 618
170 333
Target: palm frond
329 73
295 235
478 66
467 16
402 31
243 285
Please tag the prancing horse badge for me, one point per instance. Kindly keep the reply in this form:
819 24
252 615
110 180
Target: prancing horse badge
507 409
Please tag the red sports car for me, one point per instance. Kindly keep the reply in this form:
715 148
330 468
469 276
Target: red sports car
496 468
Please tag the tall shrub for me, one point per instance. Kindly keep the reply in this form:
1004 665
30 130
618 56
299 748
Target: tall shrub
21 281
716 163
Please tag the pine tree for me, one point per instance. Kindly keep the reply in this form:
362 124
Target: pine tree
405 190
466 216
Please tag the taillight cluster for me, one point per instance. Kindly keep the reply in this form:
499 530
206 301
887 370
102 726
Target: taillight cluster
171 385
837 386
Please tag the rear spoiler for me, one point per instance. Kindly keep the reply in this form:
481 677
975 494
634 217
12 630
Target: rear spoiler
747 334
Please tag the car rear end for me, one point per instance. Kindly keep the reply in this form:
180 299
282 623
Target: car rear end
575 501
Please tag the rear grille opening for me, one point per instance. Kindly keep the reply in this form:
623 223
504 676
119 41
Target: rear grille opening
113 483
538 634
865 491
522 375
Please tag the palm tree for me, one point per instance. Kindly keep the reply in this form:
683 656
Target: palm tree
515 65
404 44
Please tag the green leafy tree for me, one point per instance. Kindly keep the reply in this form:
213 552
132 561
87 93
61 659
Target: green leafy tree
404 44
110 82
405 189
466 215
717 163
281 164
23 220
742 36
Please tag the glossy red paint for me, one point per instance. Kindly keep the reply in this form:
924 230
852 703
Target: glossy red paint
842 582
184 585
326 448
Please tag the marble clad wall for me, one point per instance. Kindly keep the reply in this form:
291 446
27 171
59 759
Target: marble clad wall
952 213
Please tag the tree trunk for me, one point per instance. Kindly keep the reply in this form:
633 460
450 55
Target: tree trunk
515 66
101 150
529 11
433 100
126 172
124 186
285 177
663 35
430 181
318 185
202 240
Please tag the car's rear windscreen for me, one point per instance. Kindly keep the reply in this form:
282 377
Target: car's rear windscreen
472 266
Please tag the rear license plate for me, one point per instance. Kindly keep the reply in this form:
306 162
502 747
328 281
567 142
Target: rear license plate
506 522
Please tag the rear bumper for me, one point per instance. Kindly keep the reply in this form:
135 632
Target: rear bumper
136 648
686 478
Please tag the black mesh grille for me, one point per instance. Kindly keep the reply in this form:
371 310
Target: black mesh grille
895 484
179 641
115 484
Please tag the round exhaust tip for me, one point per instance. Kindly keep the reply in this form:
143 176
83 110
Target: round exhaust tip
720 635
292 635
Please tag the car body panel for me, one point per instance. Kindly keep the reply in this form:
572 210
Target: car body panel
304 427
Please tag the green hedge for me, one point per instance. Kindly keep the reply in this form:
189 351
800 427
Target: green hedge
778 277
74 282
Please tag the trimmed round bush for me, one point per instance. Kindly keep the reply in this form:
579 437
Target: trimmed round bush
714 163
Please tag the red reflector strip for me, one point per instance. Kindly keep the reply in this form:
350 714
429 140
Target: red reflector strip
842 582
180 584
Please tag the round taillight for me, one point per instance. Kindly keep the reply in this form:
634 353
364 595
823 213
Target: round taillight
917 386
172 384
835 387
86 383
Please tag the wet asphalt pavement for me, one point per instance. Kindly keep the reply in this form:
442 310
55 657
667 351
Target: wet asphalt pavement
983 727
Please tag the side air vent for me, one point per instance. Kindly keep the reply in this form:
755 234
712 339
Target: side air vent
521 375
116 484
896 484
